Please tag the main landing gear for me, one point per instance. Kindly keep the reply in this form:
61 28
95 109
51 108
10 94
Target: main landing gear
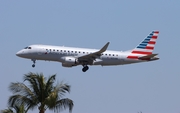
34 61
85 68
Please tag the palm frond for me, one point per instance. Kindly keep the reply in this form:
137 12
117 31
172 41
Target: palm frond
63 104
31 78
19 100
42 86
9 110
51 100
15 109
20 88
49 85
62 88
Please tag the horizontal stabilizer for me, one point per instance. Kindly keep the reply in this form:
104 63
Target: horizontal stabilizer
147 56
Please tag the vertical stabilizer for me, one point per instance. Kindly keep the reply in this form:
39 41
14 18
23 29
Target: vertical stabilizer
146 47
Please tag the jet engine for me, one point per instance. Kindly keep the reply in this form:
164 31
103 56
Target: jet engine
69 61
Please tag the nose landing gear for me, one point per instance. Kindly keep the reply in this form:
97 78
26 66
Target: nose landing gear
85 68
34 61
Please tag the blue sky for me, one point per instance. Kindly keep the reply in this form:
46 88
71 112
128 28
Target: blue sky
148 87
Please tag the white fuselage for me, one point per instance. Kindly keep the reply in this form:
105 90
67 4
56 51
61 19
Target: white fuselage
71 56
58 53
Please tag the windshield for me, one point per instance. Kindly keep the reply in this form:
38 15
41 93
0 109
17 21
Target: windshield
27 48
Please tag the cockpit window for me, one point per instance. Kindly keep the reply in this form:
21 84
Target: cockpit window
27 48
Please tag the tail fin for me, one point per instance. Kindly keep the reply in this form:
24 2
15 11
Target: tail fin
146 47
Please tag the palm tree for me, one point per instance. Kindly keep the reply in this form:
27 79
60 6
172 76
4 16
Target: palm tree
40 93
9 110
14 109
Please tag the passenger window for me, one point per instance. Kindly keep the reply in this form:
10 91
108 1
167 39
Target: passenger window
53 49
75 51
64 50
109 54
79 52
72 51
83 52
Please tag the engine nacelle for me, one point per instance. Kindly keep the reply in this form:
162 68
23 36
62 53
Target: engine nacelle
69 61
66 65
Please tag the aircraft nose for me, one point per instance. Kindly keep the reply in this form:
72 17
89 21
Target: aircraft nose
19 53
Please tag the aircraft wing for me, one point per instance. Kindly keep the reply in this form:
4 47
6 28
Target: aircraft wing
94 55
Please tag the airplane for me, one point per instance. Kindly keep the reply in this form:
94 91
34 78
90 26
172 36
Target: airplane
72 56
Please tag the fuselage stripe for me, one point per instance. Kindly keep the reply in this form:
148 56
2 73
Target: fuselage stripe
133 57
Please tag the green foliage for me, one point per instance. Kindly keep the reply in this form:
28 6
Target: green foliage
40 93
9 110
14 109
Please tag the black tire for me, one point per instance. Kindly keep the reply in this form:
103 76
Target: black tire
86 68
33 65
83 69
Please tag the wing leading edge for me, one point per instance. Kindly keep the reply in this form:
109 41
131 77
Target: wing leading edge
94 55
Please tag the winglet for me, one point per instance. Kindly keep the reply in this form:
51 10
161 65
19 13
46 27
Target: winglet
104 48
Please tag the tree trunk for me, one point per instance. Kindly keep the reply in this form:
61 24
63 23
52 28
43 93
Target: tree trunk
41 111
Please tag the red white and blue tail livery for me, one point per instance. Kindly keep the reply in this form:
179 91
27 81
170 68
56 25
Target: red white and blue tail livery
145 48
72 56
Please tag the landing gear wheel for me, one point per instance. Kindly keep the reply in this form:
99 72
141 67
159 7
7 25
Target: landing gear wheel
33 65
85 68
34 61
